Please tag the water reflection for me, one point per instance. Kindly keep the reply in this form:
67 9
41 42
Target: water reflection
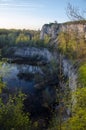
19 76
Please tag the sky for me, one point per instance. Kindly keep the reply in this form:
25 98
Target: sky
32 14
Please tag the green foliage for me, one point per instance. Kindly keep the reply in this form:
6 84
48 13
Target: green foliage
46 39
12 38
54 124
72 44
22 39
62 42
3 40
2 85
78 120
82 75
12 115
80 96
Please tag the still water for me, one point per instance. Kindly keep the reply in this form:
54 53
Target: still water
19 76
22 77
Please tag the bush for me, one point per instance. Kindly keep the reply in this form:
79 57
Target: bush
82 75
12 115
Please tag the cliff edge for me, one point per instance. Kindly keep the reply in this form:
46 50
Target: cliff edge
53 29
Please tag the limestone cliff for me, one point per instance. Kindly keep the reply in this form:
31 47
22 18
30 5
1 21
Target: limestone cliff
53 29
70 72
32 54
49 29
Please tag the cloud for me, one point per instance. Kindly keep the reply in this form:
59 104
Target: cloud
12 4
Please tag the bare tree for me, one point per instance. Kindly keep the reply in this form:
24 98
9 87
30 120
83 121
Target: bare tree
74 13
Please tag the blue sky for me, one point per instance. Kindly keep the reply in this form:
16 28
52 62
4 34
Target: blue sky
32 14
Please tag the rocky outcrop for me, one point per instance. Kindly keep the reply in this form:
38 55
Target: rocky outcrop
49 29
30 54
70 72
54 29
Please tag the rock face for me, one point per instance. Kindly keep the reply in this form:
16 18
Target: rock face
54 29
50 29
75 27
70 72
30 53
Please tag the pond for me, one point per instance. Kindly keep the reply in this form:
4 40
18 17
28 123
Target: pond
23 77
19 76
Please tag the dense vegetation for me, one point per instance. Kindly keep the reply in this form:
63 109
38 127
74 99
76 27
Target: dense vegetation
12 115
21 38
76 102
72 44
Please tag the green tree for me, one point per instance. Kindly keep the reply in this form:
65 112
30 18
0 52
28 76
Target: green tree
3 40
82 75
12 38
72 44
62 42
22 39
78 119
12 115
2 85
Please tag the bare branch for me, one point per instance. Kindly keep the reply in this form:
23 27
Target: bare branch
74 13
